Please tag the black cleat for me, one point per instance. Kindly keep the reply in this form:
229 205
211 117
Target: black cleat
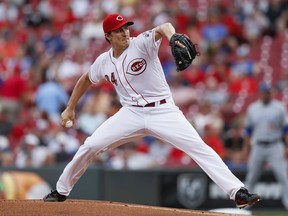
54 196
243 198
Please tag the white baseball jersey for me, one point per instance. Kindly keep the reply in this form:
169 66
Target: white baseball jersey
139 79
137 74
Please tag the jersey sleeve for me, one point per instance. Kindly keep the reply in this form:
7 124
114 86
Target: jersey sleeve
285 126
95 69
248 118
147 44
248 122
285 115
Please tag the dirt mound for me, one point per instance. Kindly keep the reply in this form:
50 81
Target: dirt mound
89 207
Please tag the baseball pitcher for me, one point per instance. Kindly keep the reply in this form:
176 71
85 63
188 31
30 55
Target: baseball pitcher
133 67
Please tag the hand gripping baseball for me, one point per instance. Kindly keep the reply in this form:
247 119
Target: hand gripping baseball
68 118
183 50
68 124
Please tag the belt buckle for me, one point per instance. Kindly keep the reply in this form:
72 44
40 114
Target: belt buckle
150 104
157 103
153 104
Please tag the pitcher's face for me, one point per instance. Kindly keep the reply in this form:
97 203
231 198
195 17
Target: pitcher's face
119 37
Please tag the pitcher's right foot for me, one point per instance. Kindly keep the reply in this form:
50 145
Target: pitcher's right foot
243 198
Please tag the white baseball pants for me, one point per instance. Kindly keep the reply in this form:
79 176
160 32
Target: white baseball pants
165 122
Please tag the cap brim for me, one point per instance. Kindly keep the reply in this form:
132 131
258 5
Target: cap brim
122 24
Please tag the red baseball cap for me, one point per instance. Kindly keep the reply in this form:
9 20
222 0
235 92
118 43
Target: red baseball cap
113 22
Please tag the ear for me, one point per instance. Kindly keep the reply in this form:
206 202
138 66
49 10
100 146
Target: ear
107 37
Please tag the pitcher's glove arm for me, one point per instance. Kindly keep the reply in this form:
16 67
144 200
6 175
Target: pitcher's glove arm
183 50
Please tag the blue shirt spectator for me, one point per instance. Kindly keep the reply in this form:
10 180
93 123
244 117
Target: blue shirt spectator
215 33
51 97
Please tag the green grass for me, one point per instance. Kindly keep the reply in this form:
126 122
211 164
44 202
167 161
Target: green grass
269 213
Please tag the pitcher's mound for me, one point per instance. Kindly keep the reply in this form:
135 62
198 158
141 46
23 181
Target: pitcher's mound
91 207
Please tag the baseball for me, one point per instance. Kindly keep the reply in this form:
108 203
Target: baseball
68 124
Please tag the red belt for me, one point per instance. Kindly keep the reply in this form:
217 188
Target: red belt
153 104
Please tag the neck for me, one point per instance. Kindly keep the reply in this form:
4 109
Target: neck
119 49
117 52
266 102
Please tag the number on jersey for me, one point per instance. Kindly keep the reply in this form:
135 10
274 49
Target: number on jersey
112 79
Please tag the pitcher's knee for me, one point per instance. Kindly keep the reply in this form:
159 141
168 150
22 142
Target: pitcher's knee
93 146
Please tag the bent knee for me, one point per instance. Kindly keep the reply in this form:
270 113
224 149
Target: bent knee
94 145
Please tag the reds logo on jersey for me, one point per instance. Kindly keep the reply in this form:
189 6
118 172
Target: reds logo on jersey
137 66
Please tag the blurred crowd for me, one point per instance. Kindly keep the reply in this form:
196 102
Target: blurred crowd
46 45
